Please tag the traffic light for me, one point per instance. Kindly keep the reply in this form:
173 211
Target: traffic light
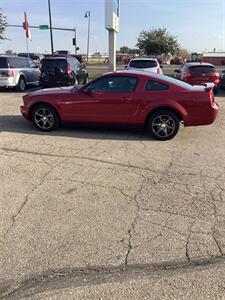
74 41
24 25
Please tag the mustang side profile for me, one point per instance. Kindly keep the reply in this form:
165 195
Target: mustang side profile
155 101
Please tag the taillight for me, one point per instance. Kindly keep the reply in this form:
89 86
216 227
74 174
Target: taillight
158 70
69 70
10 73
185 76
212 98
217 79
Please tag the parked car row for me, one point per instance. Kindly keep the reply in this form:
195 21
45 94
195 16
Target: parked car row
19 72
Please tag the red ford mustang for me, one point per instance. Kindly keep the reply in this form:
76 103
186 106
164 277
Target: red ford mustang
155 101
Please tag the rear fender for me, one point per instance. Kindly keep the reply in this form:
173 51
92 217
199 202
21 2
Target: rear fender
172 106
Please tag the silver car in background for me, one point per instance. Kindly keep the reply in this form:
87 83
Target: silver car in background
18 72
145 64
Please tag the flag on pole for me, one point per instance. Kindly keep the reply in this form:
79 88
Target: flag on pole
28 35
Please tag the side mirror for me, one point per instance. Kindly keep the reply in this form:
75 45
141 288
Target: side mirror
177 71
161 66
88 90
125 67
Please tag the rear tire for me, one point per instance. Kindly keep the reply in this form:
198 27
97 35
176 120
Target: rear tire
45 118
163 124
21 86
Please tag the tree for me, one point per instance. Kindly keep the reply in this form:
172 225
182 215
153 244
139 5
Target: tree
157 41
128 50
183 53
3 24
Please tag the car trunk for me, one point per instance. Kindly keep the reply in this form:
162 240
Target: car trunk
203 74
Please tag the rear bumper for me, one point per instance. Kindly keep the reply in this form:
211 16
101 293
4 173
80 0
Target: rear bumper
25 112
204 117
7 82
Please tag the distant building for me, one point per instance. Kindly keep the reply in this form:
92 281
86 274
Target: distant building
215 58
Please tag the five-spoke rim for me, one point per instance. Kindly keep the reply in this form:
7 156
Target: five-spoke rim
44 118
163 126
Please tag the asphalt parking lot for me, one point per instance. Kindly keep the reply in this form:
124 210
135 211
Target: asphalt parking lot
109 213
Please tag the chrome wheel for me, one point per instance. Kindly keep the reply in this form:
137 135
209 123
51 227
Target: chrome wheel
44 118
163 126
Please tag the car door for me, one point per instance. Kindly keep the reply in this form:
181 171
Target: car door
109 99
35 73
25 69
78 70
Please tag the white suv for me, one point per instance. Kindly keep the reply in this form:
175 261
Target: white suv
18 72
145 64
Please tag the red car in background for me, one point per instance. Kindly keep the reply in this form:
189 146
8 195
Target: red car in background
147 99
198 73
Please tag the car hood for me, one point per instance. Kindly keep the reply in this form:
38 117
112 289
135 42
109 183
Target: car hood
54 91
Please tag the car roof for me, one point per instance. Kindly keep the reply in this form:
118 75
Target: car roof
192 64
144 58
56 57
138 73
12 56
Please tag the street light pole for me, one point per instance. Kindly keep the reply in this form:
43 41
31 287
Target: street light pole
88 15
50 23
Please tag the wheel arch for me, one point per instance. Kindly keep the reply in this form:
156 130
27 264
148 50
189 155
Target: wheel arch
179 114
45 103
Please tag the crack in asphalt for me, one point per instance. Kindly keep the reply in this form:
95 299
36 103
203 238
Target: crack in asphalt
99 274
80 157
27 197
133 224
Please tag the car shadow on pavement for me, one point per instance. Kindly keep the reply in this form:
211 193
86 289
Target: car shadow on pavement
16 124
28 90
221 93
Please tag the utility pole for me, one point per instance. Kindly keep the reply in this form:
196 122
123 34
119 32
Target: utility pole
75 40
50 23
88 15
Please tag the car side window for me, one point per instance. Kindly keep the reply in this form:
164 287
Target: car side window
153 85
115 84
181 69
31 63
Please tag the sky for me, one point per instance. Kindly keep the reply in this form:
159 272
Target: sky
198 24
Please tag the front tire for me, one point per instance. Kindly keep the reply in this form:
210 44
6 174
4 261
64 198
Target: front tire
21 86
45 118
163 124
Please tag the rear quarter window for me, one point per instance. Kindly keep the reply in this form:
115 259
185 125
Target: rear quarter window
153 85
3 63
143 64
18 62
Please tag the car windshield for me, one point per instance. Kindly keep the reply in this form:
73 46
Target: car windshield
143 64
202 69
51 64
3 63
